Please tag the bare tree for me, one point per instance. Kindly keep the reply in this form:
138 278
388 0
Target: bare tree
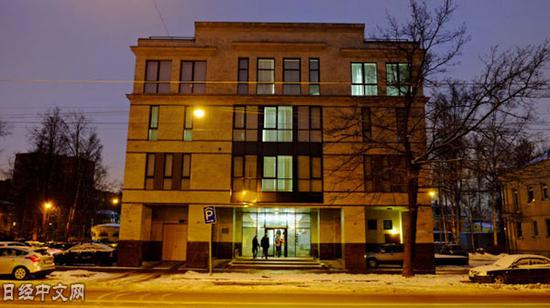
505 78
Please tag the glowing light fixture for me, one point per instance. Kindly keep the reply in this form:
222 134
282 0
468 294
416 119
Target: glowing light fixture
198 113
48 205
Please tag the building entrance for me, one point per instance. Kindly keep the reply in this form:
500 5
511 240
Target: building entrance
291 228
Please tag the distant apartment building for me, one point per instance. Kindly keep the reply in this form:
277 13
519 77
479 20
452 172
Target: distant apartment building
526 210
240 117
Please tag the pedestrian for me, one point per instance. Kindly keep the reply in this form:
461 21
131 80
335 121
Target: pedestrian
279 245
265 245
255 246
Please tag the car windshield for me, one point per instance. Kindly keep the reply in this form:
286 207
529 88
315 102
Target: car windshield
505 261
41 251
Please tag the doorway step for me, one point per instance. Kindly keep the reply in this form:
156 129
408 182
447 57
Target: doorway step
243 263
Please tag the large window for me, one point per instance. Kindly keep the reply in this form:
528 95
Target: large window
397 79
385 173
364 81
244 173
277 124
530 194
291 76
152 133
242 76
266 76
167 171
157 77
193 77
309 124
245 123
277 173
314 77
309 173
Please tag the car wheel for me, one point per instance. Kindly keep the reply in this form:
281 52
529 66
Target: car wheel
500 279
372 263
20 273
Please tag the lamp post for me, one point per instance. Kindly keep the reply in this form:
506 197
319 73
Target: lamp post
47 206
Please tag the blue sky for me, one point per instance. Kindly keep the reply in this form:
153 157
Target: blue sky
76 40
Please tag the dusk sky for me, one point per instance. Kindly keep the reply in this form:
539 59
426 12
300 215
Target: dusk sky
53 50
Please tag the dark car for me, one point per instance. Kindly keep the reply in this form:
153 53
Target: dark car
514 269
89 253
450 249
385 254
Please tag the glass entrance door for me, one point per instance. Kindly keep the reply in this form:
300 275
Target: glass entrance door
278 242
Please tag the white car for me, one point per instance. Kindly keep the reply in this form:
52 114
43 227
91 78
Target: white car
23 262
522 268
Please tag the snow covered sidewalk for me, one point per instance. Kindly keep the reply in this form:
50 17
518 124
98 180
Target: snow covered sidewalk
290 282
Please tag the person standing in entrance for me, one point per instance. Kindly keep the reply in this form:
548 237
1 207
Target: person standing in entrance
265 245
255 246
279 245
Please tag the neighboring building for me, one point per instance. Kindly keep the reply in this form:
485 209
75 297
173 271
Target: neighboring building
239 117
7 210
527 208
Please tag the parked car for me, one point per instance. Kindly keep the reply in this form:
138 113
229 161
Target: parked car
522 268
385 254
13 243
22 262
88 253
450 249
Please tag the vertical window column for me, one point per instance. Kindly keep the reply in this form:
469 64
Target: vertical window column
188 124
157 77
309 124
242 77
152 133
245 123
149 171
168 168
314 77
244 173
266 76
291 76
309 174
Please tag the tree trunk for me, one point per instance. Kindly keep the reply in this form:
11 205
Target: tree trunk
411 218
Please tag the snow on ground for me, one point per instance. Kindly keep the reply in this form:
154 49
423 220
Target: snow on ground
293 282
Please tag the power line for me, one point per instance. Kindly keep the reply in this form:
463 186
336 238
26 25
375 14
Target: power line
161 18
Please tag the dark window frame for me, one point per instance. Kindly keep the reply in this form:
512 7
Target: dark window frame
311 178
185 178
530 194
248 113
310 129
187 127
147 175
157 82
519 230
372 224
242 85
318 73
260 83
388 224
400 82
535 228
193 83
292 83
243 173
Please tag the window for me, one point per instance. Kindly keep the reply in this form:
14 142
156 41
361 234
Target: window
149 171
291 76
530 194
153 123
157 77
245 123
309 174
544 191
188 124
277 173
385 173
266 76
519 232
244 173
401 123
309 124
314 77
366 123
167 171
547 227
168 165
193 77
277 124
242 77
372 224
535 228
388 225
397 79
515 199
364 79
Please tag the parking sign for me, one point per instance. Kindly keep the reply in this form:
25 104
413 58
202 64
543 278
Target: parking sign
209 215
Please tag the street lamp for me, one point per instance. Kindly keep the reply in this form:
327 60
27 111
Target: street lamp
47 205
198 112
115 201
432 193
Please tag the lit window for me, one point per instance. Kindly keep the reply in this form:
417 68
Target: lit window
364 79
277 124
188 124
277 173
153 123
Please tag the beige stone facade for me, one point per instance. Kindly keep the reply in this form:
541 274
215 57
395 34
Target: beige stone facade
526 209
267 162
